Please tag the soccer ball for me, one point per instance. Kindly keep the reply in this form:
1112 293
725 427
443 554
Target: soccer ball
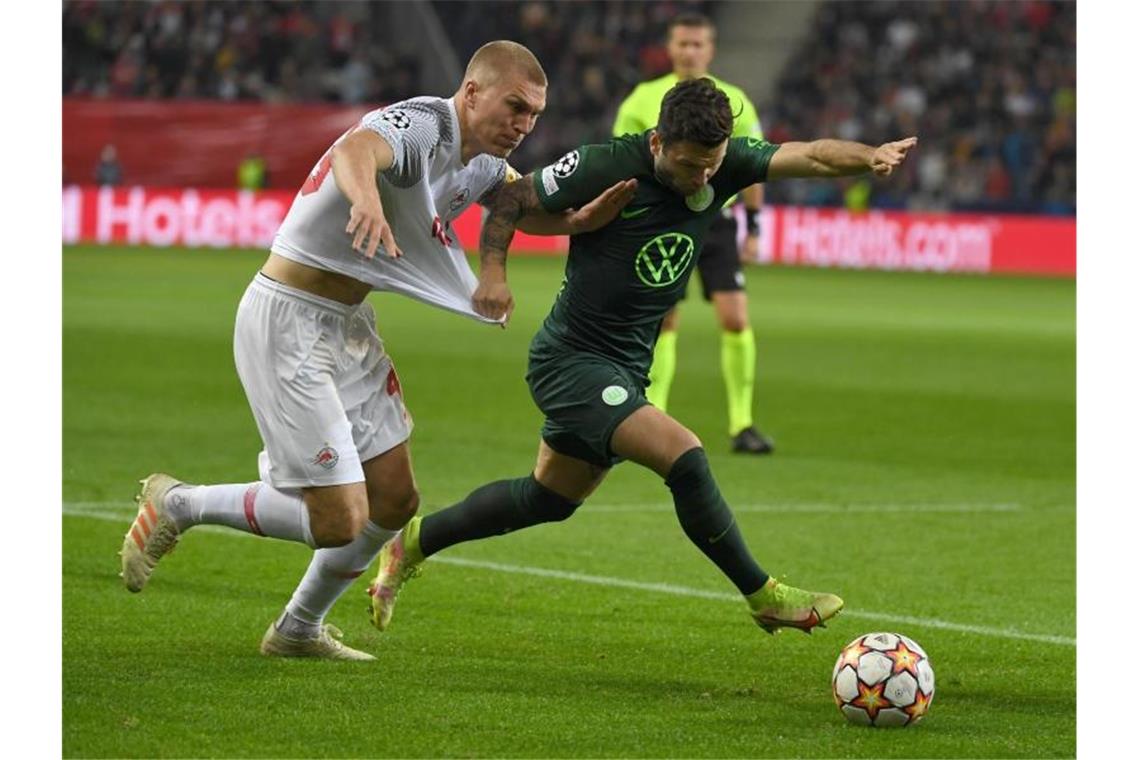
883 679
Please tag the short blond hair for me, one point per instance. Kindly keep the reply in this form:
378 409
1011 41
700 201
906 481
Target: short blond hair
500 57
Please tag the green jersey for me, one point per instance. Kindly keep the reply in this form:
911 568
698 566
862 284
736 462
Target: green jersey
621 280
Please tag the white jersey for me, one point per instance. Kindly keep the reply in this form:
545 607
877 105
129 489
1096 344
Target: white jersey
426 188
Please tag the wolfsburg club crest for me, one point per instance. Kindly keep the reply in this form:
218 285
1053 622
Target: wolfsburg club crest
664 259
701 199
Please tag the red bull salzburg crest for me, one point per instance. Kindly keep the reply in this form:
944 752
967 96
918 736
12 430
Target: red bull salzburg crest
327 457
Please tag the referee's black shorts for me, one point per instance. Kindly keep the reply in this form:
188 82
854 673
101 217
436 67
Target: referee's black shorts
719 262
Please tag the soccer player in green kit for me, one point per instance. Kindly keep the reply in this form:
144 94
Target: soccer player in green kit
589 360
691 44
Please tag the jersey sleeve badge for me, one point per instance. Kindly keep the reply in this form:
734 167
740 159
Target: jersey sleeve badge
566 165
396 118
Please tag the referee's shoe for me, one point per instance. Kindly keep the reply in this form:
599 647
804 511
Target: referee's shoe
751 441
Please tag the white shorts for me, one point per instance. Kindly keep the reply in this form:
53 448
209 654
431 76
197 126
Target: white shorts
323 391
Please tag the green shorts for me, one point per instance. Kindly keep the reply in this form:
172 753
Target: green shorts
584 397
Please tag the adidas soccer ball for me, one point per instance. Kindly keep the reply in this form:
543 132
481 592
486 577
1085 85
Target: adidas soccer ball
883 679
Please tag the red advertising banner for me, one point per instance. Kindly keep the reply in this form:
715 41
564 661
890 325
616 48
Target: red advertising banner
163 143
214 219
890 240
920 242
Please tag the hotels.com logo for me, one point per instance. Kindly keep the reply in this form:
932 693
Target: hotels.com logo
213 218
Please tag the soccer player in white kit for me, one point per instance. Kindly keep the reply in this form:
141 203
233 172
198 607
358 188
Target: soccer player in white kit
336 472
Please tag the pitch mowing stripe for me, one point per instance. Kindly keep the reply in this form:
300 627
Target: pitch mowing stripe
665 588
822 508
787 508
91 510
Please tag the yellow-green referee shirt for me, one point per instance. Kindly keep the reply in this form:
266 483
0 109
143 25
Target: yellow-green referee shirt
640 110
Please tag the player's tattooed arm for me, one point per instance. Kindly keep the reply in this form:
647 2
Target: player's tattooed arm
515 205
592 216
506 206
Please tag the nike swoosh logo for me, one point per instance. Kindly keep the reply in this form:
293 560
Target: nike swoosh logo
714 539
633 213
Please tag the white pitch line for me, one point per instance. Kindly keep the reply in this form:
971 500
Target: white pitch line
92 510
665 588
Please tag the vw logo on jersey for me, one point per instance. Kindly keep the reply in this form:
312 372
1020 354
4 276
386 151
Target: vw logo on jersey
566 165
396 118
701 199
664 259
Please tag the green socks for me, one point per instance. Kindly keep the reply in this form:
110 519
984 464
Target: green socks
663 369
738 365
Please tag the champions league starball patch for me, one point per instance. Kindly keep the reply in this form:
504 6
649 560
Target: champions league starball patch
396 118
566 165
701 199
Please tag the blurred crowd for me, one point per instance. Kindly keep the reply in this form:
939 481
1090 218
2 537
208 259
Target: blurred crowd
271 51
594 53
989 87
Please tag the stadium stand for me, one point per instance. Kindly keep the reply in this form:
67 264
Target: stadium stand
989 86
594 54
267 51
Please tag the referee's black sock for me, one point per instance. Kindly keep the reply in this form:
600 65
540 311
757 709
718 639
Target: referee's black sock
709 523
492 510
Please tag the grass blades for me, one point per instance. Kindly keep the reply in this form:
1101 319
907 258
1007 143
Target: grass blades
925 470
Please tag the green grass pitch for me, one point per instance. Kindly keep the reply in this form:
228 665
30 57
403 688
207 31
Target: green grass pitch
925 471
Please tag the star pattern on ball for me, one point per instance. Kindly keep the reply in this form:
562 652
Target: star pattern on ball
919 707
904 659
871 699
851 654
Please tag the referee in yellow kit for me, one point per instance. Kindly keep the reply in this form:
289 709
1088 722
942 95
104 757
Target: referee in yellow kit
691 43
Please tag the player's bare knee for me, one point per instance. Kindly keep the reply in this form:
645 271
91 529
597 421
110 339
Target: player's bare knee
392 511
331 534
338 524
687 440
734 323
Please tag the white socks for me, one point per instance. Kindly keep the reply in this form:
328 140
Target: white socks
329 575
261 509
256 508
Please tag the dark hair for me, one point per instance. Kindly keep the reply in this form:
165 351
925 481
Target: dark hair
689 19
695 110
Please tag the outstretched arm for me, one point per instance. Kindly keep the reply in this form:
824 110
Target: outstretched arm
836 158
